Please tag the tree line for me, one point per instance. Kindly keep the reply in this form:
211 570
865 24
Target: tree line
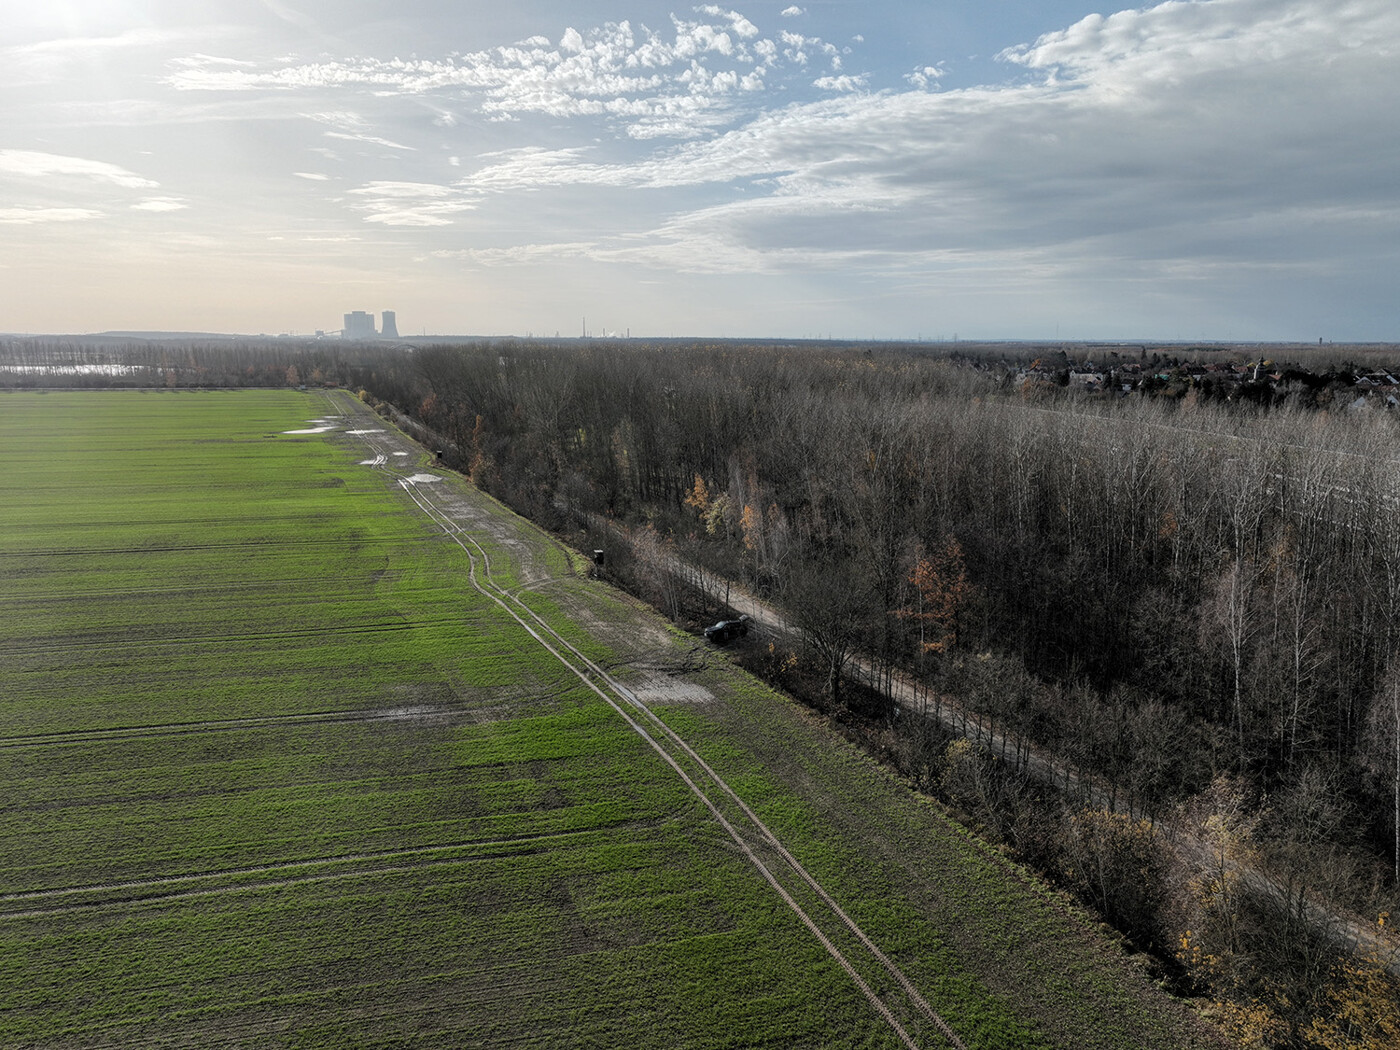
1241 570
104 362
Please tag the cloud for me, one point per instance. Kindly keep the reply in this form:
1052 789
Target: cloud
436 215
741 25
160 204
131 38
30 164
842 83
924 76
312 175
684 84
403 190
373 140
533 167
53 60
340 119
793 11
215 60
411 203
520 254
1221 130
798 48
32 216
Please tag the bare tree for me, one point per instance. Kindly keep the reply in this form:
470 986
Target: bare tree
1382 749
1229 622
830 601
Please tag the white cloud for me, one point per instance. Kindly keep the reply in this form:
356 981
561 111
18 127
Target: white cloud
216 60
922 77
31 216
685 85
373 140
793 11
403 190
341 120
53 60
30 164
1157 42
423 216
741 25
841 83
798 48
312 175
411 203
530 167
131 38
160 204
520 254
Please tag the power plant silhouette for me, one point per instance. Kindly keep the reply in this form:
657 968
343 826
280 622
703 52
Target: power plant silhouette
360 325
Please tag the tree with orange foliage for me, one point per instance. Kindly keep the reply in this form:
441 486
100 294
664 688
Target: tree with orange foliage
752 523
699 497
477 469
942 589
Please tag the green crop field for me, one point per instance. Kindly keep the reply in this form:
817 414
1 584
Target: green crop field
274 772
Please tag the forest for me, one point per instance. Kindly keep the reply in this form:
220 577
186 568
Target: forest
1191 603
1187 606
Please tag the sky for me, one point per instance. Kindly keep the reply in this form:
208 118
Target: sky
852 169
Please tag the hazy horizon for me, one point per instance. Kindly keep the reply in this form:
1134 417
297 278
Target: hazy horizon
1217 170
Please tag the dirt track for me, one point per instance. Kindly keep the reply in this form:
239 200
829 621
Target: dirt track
848 944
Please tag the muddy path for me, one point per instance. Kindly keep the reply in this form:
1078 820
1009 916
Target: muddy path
475 531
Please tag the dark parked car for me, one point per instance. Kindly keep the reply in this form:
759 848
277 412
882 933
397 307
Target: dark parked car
727 630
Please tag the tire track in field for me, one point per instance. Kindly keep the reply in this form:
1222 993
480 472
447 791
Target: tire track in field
182 640
260 545
180 887
291 585
403 713
600 682
899 976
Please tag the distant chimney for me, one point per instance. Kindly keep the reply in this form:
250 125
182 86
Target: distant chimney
359 325
390 328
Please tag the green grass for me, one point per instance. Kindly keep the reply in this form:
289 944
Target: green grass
204 618
273 774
